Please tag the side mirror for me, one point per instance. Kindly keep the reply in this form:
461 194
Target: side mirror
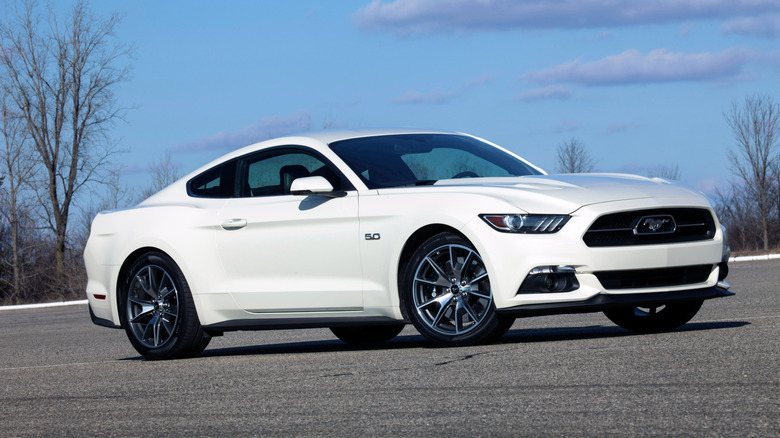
314 186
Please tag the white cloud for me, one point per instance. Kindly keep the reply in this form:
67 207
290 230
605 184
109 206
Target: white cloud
265 128
765 26
431 16
440 96
550 92
632 66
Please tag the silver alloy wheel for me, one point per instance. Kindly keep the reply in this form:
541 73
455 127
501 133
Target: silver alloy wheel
451 290
152 306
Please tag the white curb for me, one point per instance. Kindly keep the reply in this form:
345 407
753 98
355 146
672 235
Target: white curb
44 305
754 258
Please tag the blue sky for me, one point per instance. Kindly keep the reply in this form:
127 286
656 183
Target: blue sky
639 83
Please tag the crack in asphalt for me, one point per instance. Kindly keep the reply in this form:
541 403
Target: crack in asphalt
460 359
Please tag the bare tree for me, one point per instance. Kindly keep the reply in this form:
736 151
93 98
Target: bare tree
573 158
61 76
754 124
16 164
164 173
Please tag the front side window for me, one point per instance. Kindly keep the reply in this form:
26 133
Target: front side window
415 159
271 173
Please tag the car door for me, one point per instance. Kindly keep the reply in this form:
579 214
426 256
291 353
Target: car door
285 252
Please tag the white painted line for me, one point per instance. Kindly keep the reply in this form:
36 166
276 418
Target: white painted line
754 258
44 305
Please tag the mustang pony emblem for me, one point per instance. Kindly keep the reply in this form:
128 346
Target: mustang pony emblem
661 224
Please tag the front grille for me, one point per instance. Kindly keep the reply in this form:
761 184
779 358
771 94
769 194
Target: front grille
654 277
620 229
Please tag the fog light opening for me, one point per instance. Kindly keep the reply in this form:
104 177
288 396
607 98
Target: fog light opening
550 279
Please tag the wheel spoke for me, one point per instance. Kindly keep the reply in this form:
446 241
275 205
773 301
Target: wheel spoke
149 326
145 312
477 279
480 294
460 269
441 300
140 302
469 311
157 326
458 317
442 311
153 284
438 269
168 325
440 282
143 283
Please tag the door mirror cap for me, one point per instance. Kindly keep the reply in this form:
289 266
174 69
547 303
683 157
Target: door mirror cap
315 186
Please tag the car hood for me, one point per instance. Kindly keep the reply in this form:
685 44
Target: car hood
563 194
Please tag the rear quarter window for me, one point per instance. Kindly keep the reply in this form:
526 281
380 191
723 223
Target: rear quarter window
217 182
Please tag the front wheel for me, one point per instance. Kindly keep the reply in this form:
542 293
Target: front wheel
654 318
158 312
447 295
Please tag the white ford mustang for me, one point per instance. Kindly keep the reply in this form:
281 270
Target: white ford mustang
365 231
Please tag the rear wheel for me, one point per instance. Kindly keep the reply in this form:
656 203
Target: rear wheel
447 294
159 315
367 334
654 318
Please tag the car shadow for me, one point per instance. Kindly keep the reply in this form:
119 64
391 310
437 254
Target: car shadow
516 336
522 335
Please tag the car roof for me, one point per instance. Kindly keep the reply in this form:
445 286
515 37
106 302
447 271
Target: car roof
331 136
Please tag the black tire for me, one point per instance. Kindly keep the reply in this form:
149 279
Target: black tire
158 313
655 318
367 334
505 322
446 292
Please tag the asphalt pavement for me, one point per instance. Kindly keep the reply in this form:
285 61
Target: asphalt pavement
567 375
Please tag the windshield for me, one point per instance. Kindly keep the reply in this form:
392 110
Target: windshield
418 159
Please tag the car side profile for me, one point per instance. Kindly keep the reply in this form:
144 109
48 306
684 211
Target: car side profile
366 231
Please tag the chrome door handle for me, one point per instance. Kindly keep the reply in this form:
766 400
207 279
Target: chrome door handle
234 224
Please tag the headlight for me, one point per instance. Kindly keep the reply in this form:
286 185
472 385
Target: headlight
526 223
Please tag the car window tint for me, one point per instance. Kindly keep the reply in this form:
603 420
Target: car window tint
413 159
272 173
217 182
443 163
